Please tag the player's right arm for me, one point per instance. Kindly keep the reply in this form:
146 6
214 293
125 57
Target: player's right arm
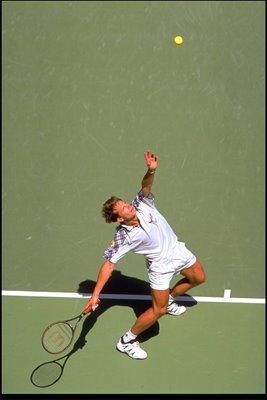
103 276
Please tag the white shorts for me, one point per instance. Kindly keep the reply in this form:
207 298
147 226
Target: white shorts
160 274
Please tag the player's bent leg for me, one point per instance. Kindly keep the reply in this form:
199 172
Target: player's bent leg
160 300
193 276
150 316
162 303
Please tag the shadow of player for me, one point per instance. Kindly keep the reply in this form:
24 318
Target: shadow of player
121 284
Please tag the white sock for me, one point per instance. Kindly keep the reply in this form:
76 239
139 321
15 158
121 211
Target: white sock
171 298
128 337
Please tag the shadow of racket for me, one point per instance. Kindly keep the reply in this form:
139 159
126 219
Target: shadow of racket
48 373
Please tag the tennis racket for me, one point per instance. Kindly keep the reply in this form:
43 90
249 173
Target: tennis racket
58 336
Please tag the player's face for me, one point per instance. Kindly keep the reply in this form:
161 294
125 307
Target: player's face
125 211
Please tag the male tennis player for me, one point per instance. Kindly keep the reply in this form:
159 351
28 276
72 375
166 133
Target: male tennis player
143 230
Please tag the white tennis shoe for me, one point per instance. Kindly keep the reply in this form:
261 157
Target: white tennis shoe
174 309
132 348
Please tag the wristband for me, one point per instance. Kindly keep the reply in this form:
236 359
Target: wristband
151 172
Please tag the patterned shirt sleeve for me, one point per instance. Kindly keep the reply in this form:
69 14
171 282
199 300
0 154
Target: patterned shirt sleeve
140 197
119 240
137 200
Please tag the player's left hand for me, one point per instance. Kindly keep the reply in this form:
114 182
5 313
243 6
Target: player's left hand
151 160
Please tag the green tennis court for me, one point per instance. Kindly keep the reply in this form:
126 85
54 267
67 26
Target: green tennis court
88 86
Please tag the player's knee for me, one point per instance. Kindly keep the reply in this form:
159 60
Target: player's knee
160 311
201 278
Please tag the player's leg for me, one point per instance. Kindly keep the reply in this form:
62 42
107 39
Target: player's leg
149 317
127 343
193 276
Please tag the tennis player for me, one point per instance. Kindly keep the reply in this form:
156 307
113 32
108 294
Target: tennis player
143 230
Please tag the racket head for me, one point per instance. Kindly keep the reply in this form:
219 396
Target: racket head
47 374
57 337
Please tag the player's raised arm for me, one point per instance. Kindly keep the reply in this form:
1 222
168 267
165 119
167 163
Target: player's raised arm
152 163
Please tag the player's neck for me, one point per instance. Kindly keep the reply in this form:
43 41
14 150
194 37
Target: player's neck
133 222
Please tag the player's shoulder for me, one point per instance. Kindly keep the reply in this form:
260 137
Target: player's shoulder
120 233
140 198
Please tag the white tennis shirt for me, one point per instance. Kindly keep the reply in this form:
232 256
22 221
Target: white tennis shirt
154 238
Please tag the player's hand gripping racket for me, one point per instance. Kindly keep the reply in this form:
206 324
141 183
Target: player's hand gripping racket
59 335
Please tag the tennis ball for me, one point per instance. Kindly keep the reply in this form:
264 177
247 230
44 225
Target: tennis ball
178 39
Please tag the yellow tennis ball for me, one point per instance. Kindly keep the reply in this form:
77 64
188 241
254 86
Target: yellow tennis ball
178 39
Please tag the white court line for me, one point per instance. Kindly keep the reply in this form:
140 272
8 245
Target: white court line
225 299
227 293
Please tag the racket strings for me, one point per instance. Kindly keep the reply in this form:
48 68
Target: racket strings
57 337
